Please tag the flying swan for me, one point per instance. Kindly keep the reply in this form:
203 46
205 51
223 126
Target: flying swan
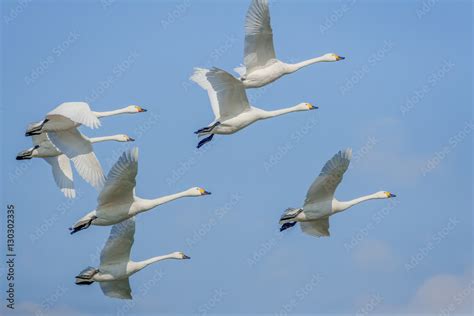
117 200
320 202
230 105
60 163
261 65
115 264
72 114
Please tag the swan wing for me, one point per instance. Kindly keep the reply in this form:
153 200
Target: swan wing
118 246
325 185
79 149
120 183
73 112
117 289
227 94
62 173
258 49
317 228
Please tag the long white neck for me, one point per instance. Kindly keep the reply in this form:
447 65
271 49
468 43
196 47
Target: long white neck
111 113
142 264
146 205
340 206
269 114
297 66
103 139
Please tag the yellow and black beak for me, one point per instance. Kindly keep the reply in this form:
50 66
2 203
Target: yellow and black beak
186 257
340 58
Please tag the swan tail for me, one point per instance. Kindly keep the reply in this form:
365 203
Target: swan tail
289 214
85 276
83 223
26 154
287 220
36 129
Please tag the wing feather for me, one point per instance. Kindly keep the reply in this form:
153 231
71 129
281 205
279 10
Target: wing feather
117 289
259 48
77 112
79 149
120 183
325 185
317 228
119 244
226 93
62 173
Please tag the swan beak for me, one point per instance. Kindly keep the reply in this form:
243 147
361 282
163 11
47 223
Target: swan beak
312 107
206 193
131 139
340 58
391 195
186 257
142 110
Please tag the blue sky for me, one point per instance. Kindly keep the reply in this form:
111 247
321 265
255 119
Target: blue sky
402 100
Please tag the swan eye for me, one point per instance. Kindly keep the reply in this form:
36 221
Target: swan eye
139 109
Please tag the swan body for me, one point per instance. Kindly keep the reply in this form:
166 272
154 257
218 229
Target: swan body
261 65
60 163
320 203
72 114
230 104
117 200
115 265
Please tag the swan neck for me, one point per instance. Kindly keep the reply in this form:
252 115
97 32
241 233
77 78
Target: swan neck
145 263
344 205
269 114
102 139
149 204
305 63
111 113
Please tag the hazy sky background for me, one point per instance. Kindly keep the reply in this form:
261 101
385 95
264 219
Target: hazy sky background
402 100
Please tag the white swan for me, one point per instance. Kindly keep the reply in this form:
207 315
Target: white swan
320 202
115 264
72 114
230 105
117 200
261 66
60 164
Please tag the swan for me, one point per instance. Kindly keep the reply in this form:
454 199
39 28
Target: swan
117 200
115 265
260 64
72 114
320 202
230 105
60 163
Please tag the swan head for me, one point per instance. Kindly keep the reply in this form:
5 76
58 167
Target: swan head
197 191
124 138
135 109
306 106
333 57
179 255
385 195
27 154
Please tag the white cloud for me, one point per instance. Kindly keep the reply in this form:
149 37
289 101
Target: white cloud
445 294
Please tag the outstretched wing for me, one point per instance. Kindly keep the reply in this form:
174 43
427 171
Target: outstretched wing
77 112
62 174
258 36
325 185
118 246
79 149
317 228
117 289
120 181
226 93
